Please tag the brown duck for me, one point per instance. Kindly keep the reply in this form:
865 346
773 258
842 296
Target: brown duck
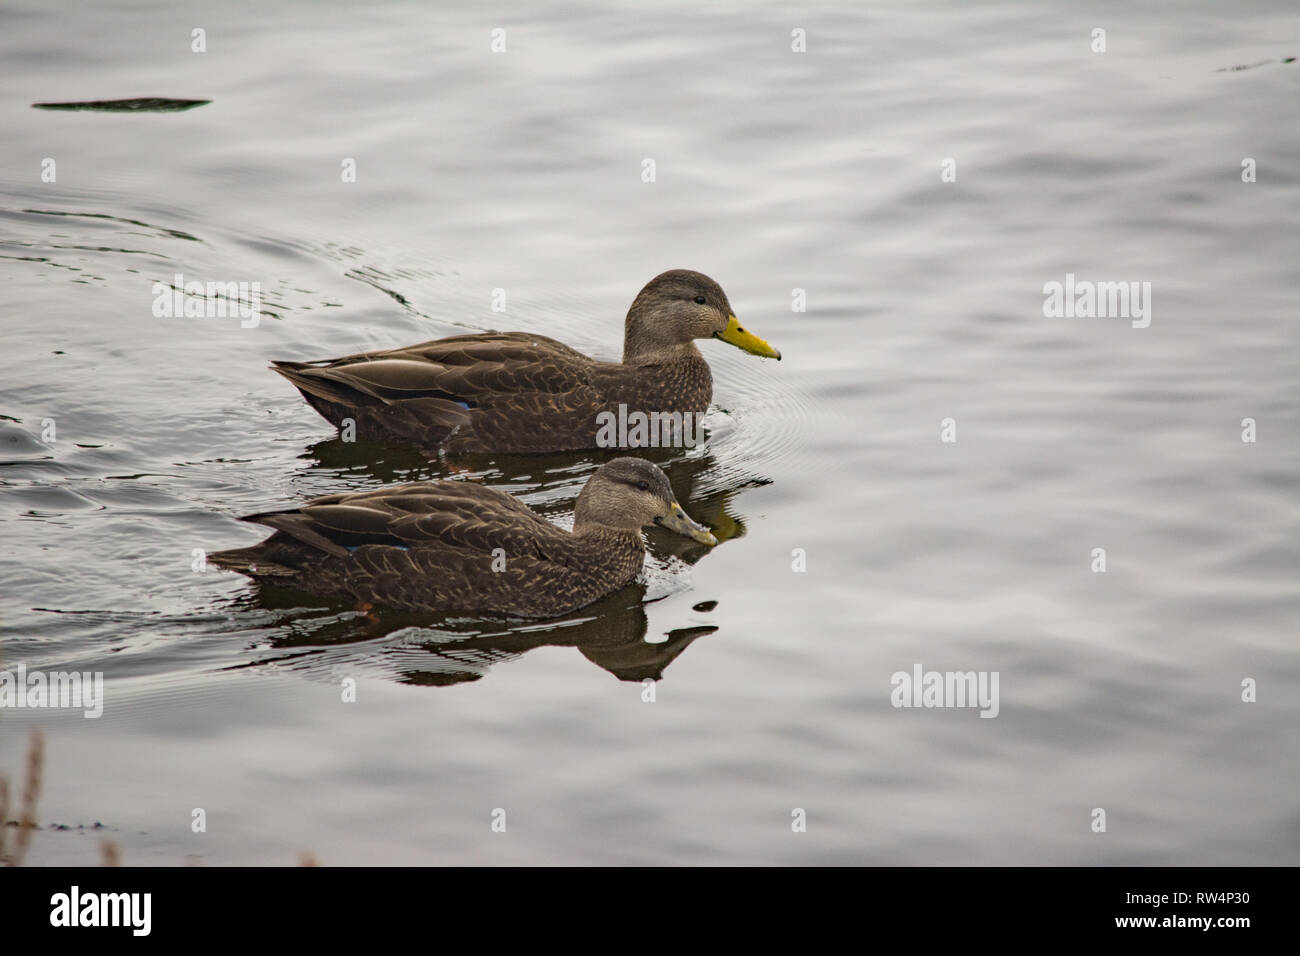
449 546
522 392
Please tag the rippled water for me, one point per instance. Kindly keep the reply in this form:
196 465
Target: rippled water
775 170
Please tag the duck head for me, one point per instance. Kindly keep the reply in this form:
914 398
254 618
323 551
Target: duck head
628 494
677 307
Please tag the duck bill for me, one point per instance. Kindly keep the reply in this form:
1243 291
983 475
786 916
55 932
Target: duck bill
678 521
733 334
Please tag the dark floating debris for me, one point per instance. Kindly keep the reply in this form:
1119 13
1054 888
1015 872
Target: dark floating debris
705 606
1251 66
146 104
80 826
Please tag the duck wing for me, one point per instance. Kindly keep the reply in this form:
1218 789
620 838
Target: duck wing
464 370
499 390
461 515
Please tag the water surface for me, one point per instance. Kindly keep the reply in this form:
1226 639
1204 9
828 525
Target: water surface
775 171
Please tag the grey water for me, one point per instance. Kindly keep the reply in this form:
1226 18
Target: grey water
920 172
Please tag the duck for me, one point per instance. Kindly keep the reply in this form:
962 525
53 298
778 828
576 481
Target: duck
522 393
459 546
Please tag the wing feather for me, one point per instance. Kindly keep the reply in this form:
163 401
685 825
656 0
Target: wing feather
456 514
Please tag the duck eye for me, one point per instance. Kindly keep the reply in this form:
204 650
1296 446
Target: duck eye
699 300
643 485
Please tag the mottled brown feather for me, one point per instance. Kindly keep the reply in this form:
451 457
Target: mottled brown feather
432 546
519 391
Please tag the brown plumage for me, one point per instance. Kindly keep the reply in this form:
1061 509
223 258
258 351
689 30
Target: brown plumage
522 392
458 546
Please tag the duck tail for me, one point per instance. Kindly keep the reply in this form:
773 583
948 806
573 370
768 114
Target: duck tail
313 384
252 562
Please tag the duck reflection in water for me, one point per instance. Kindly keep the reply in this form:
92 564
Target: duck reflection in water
410 649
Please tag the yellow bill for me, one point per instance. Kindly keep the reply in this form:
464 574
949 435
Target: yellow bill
675 519
733 334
